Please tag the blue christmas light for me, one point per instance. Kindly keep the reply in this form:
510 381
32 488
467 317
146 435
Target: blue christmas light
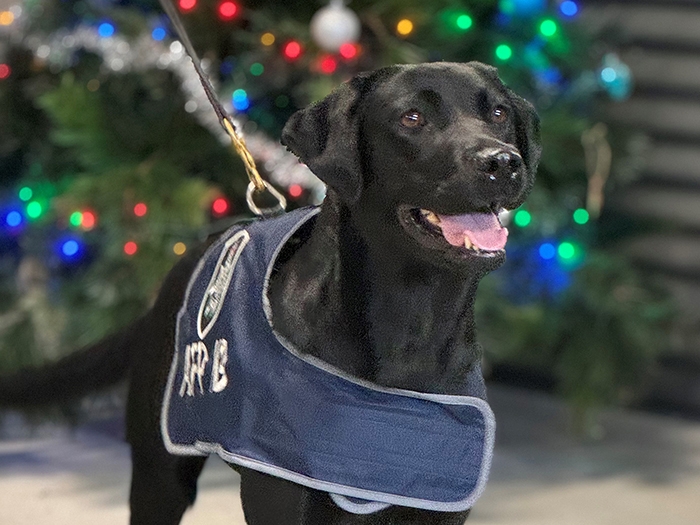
608 74
13 219
547 251
615 77
568 8
240 100
105 29
227 66
158 33
522 7
70 248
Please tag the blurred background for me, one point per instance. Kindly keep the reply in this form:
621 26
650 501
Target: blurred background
113 165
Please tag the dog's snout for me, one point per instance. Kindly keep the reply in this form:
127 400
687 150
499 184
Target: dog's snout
500 163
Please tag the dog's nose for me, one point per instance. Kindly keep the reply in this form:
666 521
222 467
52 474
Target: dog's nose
500 164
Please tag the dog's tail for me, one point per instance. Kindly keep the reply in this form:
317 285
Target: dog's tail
90 369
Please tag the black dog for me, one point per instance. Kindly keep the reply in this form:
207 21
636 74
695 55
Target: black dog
382 287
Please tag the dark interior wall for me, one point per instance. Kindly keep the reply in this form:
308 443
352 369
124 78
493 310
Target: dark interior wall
660 42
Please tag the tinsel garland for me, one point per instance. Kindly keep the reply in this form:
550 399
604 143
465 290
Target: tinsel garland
143 53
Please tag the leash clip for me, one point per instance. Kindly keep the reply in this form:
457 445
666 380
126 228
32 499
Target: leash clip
265 212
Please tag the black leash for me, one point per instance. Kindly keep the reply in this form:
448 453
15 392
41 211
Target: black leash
257 184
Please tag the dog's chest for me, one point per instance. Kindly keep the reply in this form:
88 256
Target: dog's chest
237 390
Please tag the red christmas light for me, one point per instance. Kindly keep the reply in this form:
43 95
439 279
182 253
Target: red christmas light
328 65
295 190
348 51
292 50
4 71
130 248
219 206
227 10
140 209
89 220
187 5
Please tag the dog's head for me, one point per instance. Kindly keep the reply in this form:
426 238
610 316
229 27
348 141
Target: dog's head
440 148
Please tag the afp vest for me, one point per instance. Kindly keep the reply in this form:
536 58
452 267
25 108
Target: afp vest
238 390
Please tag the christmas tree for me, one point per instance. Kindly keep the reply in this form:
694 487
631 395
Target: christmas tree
113 163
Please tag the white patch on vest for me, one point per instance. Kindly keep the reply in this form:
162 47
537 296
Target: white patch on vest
218 284
219 379
196 359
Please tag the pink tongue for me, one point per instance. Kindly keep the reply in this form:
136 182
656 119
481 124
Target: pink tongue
483 229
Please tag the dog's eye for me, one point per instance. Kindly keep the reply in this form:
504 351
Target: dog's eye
412 119
500 114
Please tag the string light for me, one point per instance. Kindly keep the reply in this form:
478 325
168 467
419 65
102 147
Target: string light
187 5
76 219
566 250
292 50
548 27
179 248
568 8
34 210
240 100
158 33
4 71
130 248
13 219
328 65
348 51
522 218
105 29
581 216
464 22
227 10
140 209
267 39
89 220
547 251
219 207
25 194
257 69
404 27
504 52
282 101
70 248
6 18
295 190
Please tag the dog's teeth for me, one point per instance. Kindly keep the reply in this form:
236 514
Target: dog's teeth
467 243
430 216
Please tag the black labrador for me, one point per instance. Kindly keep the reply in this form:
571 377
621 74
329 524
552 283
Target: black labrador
382 287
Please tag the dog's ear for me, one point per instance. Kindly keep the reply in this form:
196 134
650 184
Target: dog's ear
325 137
527 130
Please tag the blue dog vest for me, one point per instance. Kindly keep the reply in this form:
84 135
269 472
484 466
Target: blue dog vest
237 389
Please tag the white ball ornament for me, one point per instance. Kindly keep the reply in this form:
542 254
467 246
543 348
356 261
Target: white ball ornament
334 25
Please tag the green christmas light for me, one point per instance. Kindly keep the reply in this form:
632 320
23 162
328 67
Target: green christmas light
26 193
464 22
522 218
548 27
76 219
34 210
282 101
504 52
257 69
566 250
581 216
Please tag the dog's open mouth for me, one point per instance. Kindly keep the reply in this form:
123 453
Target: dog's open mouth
476 234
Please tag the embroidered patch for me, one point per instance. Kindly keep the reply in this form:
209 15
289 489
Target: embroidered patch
221 278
